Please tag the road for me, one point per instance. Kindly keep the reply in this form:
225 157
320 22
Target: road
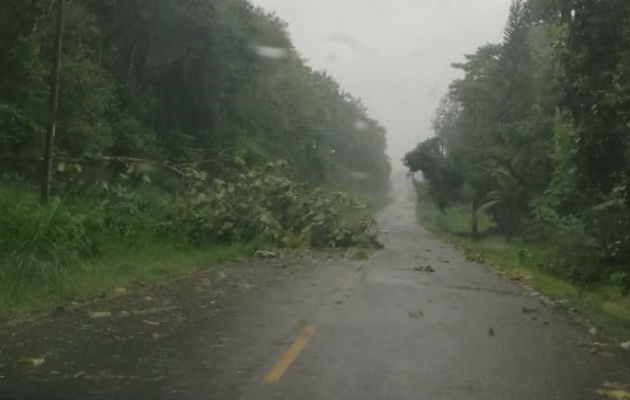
380 328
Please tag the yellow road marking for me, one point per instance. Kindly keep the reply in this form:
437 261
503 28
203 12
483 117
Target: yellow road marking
281 366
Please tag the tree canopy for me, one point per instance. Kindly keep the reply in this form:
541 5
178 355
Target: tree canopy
536 133
195 81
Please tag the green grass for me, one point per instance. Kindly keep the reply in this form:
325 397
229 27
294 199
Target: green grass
147 263
604 305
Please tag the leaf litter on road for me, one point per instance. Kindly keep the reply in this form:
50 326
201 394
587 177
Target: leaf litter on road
426 268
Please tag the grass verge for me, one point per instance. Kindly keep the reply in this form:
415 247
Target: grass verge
141 265
604 305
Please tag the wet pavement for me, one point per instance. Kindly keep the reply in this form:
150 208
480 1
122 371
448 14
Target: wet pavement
414 321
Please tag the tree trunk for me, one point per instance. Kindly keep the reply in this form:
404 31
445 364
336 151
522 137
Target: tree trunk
54 107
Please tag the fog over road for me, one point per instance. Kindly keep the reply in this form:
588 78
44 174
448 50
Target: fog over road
395 55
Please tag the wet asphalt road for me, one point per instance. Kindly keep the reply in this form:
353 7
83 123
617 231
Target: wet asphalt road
378 329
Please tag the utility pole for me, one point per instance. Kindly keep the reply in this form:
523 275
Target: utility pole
54 107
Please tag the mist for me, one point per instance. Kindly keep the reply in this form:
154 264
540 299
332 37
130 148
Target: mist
395 55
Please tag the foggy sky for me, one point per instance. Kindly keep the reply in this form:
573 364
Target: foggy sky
393 54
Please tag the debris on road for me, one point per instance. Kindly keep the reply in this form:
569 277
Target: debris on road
156 336
120 290
593 330
625 345
34 362
99 314
491 332
426 268
265 254
416 314
613 391
527 310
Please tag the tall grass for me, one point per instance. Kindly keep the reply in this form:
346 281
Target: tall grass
74 249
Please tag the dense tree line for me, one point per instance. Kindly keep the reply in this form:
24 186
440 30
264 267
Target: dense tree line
182 124
209 82
536 134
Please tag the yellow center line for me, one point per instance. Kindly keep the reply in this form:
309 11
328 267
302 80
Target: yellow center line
281 366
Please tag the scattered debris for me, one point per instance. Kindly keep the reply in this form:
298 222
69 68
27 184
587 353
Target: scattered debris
99 314
34 362
124 314
78 374
265 254
594 344
613 391
120 290
527 310
246 286
625 345
157 336
152 323
153 310
426 268
491 332
534 294
339 302
427 249
416 314
593 330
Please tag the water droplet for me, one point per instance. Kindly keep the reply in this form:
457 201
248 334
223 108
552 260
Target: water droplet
271 51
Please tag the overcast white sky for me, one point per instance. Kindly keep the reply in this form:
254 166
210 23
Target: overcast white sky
393 54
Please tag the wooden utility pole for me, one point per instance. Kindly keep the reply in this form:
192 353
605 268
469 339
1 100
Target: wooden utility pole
54 107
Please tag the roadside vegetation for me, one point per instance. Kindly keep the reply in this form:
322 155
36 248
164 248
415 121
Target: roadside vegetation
186 133
531 152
